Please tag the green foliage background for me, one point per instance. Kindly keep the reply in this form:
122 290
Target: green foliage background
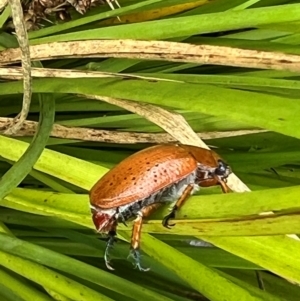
48 249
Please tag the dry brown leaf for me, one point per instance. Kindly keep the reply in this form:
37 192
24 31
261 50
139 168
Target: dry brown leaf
95 135
16 73
172 123
3 3
21 33
159 50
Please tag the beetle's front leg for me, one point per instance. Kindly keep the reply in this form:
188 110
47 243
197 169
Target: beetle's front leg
214 181
186 193
136 234
224 186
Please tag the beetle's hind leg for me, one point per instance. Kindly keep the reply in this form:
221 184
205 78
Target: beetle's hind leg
136 235
186 193
109 245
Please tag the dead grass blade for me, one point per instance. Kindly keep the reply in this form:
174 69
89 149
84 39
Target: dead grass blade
172 123
95 135
21 33
158 50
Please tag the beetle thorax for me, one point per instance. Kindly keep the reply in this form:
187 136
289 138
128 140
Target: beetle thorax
204 172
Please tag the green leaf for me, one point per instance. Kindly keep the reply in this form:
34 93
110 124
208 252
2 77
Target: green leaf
74 208
70 266
49 278
24 290
82 21
12 149
253 107
230 80
187 26
210 256
200 277
8 295
221 206
33 220
257 225
277 254
21 168
262 225
5 15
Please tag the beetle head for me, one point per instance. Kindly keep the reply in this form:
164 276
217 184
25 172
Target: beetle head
223 170
104 220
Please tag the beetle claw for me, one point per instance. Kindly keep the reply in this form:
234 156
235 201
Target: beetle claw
166 219
169 226
107 263
135 254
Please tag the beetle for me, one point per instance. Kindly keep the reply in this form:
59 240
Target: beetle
138 185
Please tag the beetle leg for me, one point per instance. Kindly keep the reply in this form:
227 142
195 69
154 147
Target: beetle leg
136 235
109 246
223 185
120 215
186 193
214 181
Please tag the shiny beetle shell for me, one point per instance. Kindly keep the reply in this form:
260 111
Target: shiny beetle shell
138 185
148 171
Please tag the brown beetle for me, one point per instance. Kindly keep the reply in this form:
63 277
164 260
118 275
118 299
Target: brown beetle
142 182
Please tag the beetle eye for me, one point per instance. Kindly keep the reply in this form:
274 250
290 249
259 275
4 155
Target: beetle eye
223 169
